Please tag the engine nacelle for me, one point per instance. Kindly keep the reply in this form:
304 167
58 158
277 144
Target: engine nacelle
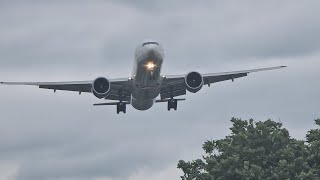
194 82
101 87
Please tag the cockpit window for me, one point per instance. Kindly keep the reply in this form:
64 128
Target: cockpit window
150 43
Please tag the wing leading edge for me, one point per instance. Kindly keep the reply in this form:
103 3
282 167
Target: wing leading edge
117 85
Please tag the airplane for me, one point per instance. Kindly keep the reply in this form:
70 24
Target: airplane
146 83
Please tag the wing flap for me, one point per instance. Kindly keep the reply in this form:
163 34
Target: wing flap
214 79
69 87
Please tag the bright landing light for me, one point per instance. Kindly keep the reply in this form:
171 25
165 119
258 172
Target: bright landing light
150 65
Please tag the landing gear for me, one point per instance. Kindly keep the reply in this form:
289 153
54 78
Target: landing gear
121 107
172 104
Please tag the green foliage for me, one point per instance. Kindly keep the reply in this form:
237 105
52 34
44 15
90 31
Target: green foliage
313 139
257 150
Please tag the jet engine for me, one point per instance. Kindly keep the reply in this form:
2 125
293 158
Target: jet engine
101 87
194 82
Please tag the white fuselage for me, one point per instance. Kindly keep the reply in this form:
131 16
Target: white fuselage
146 75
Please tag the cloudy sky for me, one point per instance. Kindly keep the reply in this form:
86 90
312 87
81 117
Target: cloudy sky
62 136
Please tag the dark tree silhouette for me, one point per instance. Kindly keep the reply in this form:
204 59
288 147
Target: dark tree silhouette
257 150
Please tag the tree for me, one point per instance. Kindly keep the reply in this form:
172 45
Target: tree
313 140
257 150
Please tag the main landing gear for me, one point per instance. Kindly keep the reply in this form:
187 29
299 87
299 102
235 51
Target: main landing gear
172 104
121 107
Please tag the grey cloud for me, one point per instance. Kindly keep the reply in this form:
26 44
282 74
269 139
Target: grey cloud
62 136
94 36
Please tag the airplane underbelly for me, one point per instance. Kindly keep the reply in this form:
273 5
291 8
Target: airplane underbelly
143 99
146 93
142 104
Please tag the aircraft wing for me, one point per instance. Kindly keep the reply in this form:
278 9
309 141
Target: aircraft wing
175 85
117 85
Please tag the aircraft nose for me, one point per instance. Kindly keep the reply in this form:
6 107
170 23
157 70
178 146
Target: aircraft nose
154 51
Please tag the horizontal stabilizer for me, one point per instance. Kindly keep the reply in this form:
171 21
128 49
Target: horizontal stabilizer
109 104
166 100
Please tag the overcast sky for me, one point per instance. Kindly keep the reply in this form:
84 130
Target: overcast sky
62 136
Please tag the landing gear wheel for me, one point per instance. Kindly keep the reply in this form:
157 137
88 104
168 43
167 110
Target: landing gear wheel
172 104
175 104
124 109
121 107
